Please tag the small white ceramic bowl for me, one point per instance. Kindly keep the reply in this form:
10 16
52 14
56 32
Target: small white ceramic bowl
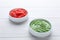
18 20
40 34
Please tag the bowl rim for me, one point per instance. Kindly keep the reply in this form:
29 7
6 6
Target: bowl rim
21 17
43 20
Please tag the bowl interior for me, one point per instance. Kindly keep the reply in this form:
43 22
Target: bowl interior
40 25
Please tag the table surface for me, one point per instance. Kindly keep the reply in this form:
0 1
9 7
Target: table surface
46 9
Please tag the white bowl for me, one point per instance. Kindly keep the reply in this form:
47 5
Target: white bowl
18 20
39 34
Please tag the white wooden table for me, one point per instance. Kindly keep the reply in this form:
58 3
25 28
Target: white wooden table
47 9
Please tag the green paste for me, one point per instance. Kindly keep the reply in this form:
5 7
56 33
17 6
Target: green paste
40 25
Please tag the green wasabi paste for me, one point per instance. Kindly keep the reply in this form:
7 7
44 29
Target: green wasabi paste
40 25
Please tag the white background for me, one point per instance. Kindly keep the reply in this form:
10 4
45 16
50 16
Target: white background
48 9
